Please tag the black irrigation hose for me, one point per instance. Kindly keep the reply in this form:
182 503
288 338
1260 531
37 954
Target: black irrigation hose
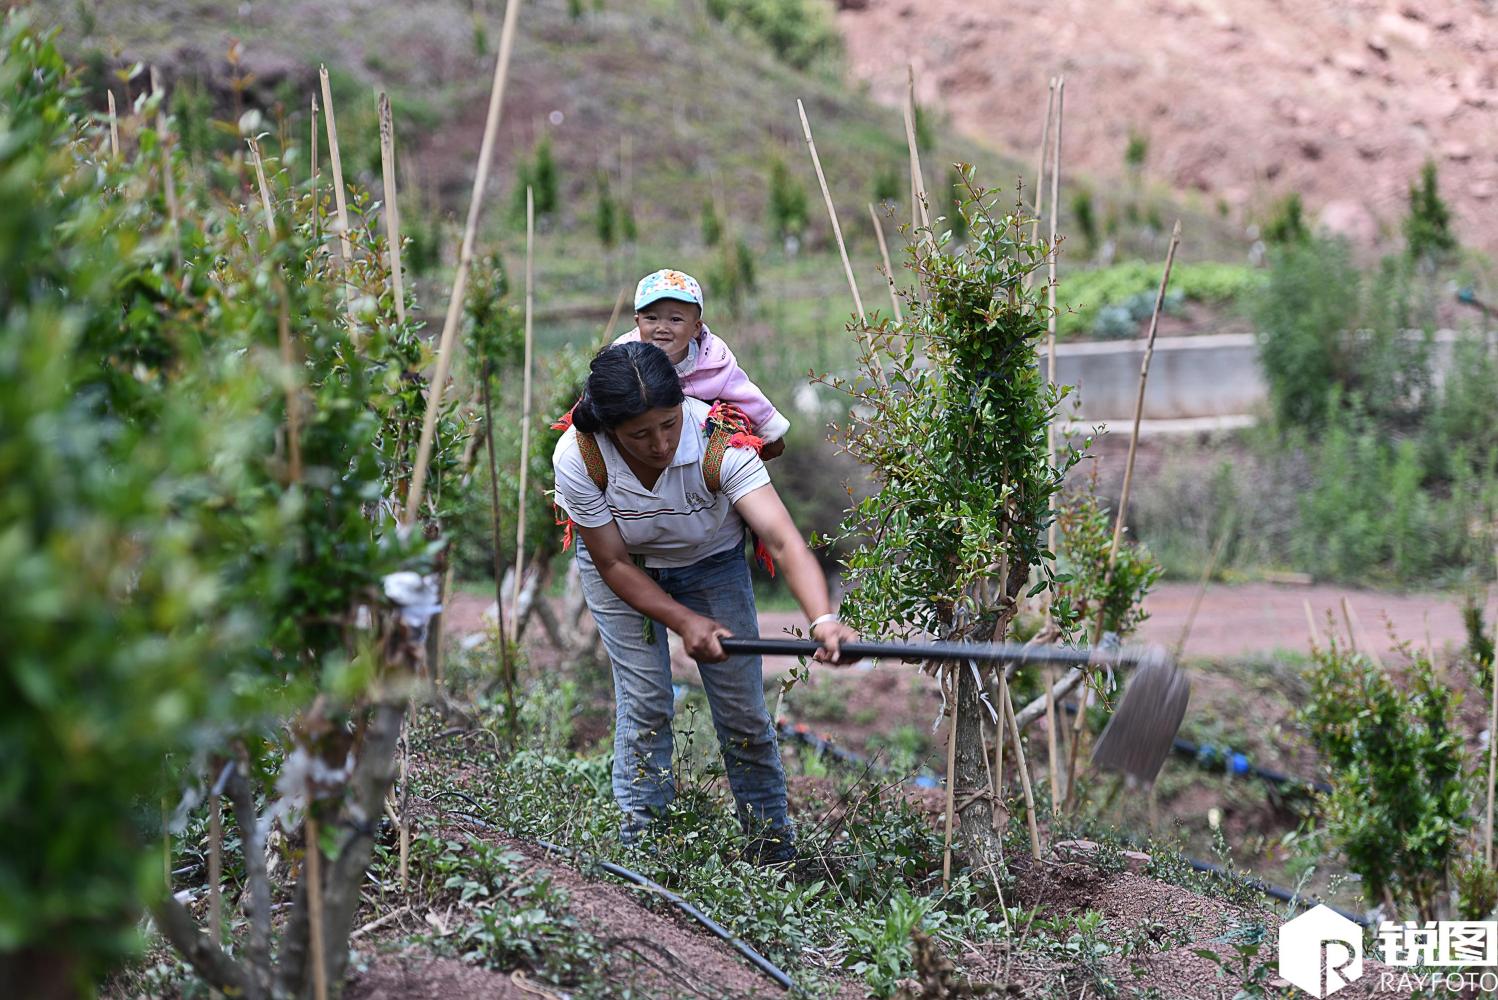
630 875
755 958
821 744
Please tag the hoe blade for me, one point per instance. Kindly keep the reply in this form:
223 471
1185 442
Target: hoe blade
1143 728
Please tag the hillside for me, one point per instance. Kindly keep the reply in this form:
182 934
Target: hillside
1239 100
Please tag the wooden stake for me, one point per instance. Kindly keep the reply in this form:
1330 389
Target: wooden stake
842 249
946 855
314 906
525 407
215 869
918 211
392 209
344 244
1020 764
270 215
465 263
1079 726
1355 630
506 667
889 273
404 841
114 127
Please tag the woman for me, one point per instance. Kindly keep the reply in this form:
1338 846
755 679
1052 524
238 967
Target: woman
657 545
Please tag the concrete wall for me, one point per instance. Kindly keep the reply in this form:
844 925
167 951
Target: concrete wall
1213 375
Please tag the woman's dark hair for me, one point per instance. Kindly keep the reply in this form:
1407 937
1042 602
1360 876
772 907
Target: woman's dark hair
624 381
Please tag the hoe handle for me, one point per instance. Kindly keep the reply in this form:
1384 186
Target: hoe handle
980 652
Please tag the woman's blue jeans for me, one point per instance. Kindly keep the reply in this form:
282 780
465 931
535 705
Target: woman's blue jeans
717 587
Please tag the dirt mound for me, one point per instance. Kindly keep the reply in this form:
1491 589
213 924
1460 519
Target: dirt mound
1238 99
398 977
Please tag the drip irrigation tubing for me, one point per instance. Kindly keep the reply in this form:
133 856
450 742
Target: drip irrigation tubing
630 875
801 734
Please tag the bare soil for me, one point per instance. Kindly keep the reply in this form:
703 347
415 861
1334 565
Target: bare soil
1242 100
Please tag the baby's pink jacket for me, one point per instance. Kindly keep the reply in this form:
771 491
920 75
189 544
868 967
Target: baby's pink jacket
718 376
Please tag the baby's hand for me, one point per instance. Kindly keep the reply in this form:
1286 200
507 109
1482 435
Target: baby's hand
773 449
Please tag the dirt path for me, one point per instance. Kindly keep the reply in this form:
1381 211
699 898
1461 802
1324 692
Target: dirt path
1233 621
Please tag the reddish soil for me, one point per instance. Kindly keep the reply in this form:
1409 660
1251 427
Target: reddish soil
1340 100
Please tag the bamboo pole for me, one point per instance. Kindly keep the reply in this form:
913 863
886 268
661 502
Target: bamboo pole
293 398
1053 531
842 249
270 215
392 209
608 329
889 272
314 905
465 263
918 211
339 197
114 126
1079 725
506 666
1311 626
951 807
169 177
1492 759
525 406
1040 160
1023 766
215 869
316 208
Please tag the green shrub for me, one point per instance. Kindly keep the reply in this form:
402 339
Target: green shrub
787 201
1398 811
803 33
1287 222
1136 151
1086 218
1427 226
712 226
1311 297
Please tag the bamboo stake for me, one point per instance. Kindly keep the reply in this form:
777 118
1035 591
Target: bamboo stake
1492 760
998 745
506 667
215 869
114 127
1053 531
1352 633
392 209
270 215
169 177
1355 629
946 854
1040 159
889 272
344 244
608 329
525 406
842 249
293 399
314 905
1079 726
316 208
918 212
1311 626
1021 765
465 263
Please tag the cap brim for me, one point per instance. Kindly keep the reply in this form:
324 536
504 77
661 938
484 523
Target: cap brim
670 293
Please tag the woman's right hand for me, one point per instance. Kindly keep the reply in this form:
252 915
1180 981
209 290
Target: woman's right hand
699 637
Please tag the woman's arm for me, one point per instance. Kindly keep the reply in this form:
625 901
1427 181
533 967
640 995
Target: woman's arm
699 634
766 514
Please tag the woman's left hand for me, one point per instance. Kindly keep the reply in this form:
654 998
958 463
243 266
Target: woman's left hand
832 635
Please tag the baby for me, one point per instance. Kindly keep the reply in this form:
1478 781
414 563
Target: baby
668 314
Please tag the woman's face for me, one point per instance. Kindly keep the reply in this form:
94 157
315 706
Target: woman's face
652 437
